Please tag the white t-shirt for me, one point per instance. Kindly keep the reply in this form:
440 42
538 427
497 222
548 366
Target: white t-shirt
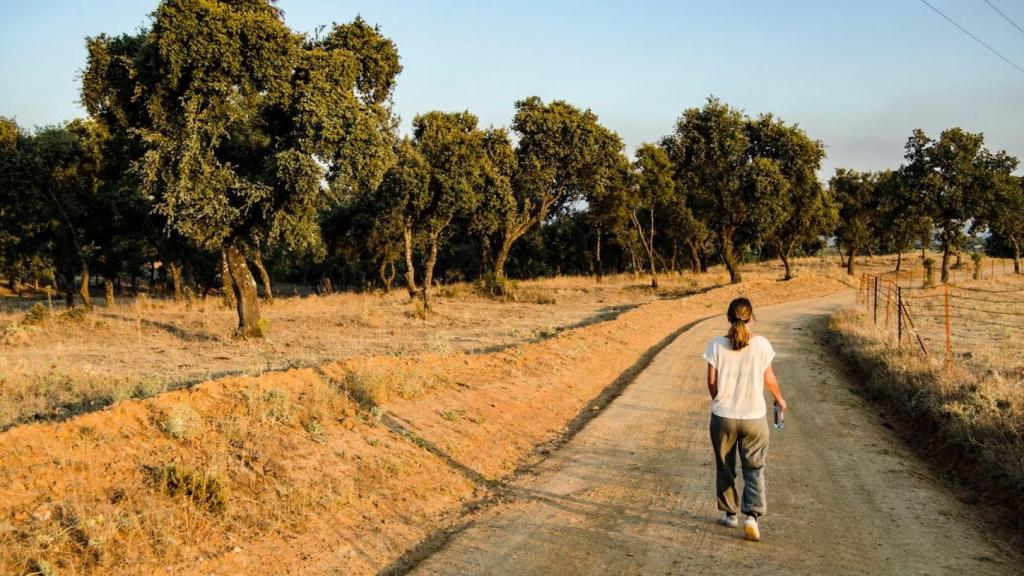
740 377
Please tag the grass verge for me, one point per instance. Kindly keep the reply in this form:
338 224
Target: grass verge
966 420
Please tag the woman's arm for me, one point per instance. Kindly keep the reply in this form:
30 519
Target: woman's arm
712 381
772 384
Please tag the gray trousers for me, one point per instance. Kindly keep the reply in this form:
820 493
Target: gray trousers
749 440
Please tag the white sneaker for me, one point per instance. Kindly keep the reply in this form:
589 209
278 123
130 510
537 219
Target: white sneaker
729 520
750 529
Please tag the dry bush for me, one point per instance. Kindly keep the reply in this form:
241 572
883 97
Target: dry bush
973 414
178 421
201 489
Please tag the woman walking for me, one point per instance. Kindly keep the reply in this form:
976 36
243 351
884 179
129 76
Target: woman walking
739 369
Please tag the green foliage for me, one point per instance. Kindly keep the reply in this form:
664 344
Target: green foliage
1006 214
855 193
957 178
733 173
802 210
562 154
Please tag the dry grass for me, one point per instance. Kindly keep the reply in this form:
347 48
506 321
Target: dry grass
973 412
56 363
287 472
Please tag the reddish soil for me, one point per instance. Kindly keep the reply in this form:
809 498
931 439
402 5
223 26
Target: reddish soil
286 474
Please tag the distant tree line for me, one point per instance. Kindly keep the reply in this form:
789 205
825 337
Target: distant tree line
220 141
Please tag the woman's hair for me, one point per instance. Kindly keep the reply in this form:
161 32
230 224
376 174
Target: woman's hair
740 312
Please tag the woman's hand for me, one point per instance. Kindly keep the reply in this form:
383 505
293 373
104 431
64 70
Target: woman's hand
782 404
772 384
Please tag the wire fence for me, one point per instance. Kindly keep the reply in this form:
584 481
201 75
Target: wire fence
978 312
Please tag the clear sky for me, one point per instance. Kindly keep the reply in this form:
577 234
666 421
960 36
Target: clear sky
859 75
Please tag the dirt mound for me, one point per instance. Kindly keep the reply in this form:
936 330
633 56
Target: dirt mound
338 469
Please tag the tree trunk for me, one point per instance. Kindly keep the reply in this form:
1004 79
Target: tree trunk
387 273
695 258
1016 255
485 256
784 254
69 288
959 263
849 260
649 245
225 280
730 258
268 291
428 273
108 286
597 253
83 289
945 261
246 297
899 260
175 269
410 269
501 259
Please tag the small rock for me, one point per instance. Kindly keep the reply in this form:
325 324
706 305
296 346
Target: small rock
236 549
42 513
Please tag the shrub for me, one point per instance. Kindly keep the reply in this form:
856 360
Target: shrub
74 316
12 334
278 405
178 421
36 315
453 414
369 389
491 286
316 431
203 490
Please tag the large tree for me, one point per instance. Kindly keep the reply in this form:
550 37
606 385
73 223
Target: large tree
653 189
66 186
855 194
739 195
562 153
956 176
1006 215
901 217
249 128
452 147
809 211
403 196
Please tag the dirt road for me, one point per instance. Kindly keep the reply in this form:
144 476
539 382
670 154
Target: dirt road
632 493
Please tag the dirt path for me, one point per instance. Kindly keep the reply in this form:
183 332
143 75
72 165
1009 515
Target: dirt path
632 492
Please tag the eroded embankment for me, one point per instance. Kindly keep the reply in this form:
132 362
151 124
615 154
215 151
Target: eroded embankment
339 469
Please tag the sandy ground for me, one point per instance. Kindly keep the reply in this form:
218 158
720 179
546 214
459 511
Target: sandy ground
632 493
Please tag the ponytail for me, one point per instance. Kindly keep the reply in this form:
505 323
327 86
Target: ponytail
740 312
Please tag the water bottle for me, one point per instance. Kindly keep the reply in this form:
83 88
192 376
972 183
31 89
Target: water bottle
780 417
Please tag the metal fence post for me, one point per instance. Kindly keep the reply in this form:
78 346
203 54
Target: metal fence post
949 341
876 299
899 316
